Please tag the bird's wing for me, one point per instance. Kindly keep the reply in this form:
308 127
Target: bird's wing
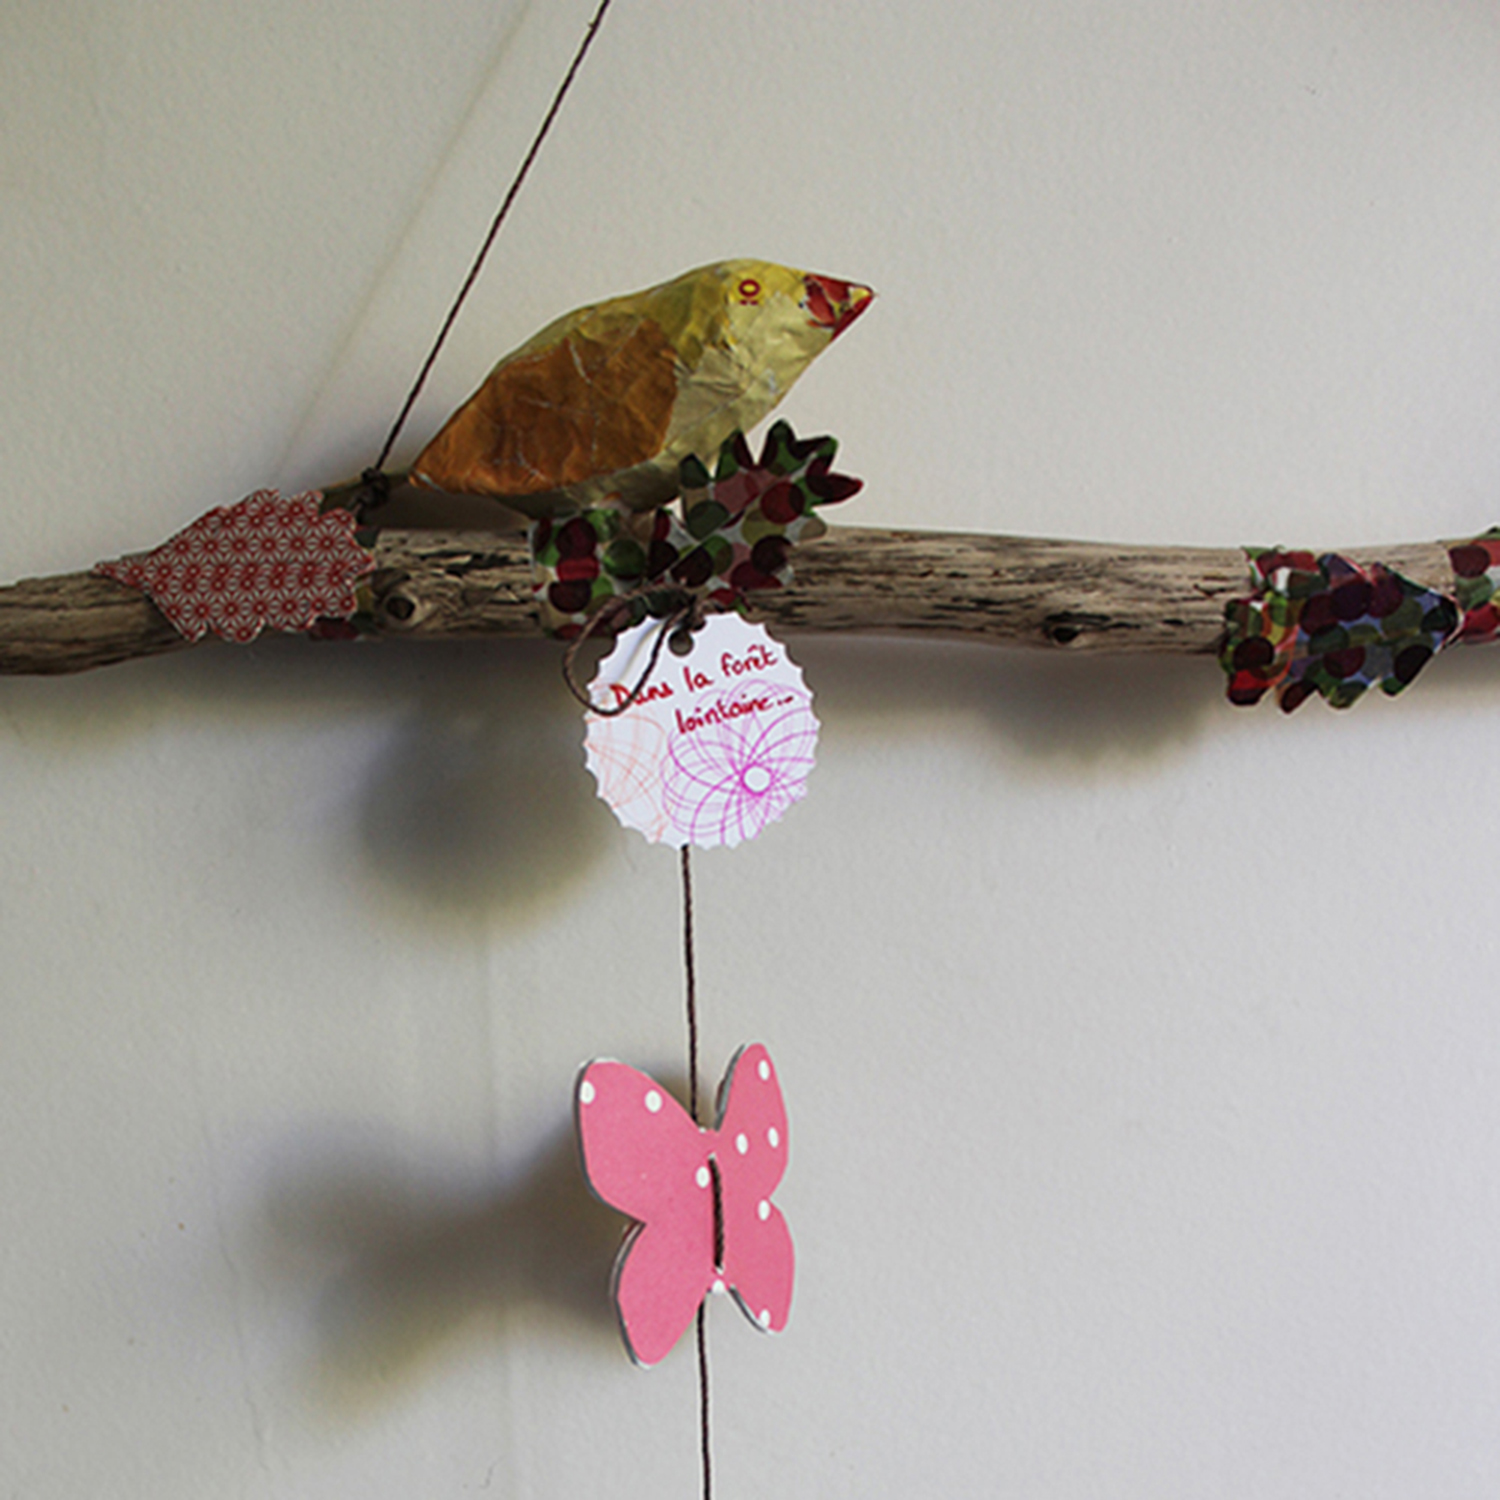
593 402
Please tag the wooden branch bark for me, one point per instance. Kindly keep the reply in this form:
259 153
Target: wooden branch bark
1012 591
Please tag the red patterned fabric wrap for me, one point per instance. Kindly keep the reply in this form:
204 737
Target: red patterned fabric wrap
272 562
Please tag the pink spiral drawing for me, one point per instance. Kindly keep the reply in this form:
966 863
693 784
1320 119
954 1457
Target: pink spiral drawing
624 758
725 781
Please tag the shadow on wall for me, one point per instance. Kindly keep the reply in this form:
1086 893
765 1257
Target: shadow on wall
480 804
1082 711
405 1260
476 805
470 802
1053 709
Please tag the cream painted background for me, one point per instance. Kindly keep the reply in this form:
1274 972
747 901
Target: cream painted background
1143 1055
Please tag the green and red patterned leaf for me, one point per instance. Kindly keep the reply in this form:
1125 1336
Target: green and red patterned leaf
734 536
1329 626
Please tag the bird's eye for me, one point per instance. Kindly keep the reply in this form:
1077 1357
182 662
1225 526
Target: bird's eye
749 289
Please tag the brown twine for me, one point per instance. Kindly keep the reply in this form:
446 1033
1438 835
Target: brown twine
705 1442
692 981
689 614
376 489
691 978
374 492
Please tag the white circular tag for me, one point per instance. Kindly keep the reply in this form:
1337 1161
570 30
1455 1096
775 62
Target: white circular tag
718 744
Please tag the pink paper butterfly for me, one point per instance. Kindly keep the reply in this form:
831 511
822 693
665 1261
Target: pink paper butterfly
702 1198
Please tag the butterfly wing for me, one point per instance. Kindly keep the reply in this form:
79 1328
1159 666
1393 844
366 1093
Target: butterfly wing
643 1155
751 1150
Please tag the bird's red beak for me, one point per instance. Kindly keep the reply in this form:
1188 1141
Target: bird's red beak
834 304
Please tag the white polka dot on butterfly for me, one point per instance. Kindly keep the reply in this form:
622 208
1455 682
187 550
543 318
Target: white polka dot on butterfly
718 1288
653 1100
765 1317
763 1208
773 1135
765 1071
701 1177
742 1143
586 1092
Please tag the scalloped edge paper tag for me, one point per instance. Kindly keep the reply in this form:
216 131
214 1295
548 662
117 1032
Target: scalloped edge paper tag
719 743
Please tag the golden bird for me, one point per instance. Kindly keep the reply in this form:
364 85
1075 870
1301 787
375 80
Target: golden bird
605 402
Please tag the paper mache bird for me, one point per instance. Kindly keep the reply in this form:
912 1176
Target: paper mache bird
604 403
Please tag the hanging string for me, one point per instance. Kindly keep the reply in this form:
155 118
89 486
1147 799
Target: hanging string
689 614
691 979
691 983
377 489
703 1434
375 479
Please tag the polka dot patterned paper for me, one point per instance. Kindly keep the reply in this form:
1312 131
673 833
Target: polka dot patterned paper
701 1198
1327 625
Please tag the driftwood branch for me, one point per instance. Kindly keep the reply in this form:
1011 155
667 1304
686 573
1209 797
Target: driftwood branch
1010 591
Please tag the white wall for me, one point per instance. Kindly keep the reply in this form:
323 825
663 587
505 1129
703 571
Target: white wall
1143 1054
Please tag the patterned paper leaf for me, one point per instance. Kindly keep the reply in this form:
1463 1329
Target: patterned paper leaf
1326 625
269 562
734 536
1476 579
